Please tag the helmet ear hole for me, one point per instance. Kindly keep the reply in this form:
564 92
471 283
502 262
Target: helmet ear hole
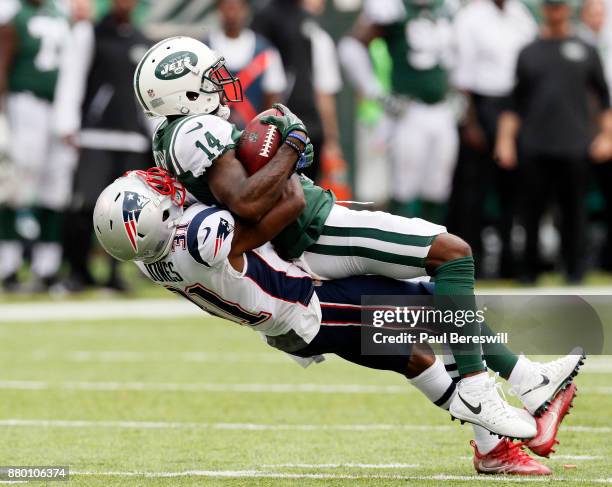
192 95
165 215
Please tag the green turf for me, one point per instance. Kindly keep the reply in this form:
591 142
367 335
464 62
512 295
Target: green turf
172 353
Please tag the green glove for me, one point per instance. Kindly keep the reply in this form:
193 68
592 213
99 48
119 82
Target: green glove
285 124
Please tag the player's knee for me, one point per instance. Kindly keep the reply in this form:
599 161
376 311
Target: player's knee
421 358
445 248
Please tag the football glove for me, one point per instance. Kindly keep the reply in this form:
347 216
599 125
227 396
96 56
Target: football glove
306 158
285 123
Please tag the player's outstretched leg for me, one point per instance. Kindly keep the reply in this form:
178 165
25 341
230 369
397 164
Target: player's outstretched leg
477 400
519 371
354 243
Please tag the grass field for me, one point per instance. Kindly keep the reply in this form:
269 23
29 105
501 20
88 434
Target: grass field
162 396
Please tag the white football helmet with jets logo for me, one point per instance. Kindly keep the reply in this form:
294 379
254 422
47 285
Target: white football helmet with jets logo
135 217
183 76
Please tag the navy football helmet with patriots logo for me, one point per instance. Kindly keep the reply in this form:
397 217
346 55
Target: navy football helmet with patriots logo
135 217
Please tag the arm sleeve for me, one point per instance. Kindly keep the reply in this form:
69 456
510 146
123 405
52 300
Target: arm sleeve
75 63
210 235
198 141
274 80
597 79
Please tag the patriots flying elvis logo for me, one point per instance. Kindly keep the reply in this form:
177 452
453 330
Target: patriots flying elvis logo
223 231
133 203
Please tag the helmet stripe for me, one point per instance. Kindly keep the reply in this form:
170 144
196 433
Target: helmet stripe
137 79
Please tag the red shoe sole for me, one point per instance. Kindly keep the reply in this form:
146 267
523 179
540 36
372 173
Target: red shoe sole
544 442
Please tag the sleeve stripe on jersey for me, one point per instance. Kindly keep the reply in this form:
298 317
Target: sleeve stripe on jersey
192 234
277 283
177 167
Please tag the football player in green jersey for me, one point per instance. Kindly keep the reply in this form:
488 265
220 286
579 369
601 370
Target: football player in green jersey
32 34
423 143
184 81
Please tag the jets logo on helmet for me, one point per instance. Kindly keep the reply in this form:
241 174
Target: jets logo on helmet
175 65
186 78
133 203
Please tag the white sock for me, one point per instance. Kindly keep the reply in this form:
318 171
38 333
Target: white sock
436 384
485 441
521 370
11 258
46 259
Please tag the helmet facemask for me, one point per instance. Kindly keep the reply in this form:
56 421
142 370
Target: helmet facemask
218 79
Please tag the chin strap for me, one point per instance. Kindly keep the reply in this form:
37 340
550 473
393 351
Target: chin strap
224 112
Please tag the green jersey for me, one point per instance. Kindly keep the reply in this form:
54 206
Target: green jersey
41 34
418 34
188 146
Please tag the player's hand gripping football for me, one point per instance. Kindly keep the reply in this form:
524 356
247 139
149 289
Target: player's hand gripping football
290 126
286 123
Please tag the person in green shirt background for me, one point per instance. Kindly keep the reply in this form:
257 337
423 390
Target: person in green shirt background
32 35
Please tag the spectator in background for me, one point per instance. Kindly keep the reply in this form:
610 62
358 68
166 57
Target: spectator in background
97 109
311 64
32 36
489 35
251 57
550 115
594 30
423 144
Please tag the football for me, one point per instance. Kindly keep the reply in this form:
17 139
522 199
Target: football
258 143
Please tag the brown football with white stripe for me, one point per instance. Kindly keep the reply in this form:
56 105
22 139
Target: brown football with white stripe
258 142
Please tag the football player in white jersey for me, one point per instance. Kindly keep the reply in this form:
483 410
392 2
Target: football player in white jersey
230 269
186 82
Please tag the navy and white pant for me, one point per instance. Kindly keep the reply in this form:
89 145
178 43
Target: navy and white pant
341 327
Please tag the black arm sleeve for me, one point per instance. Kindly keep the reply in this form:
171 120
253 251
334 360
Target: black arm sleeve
597 80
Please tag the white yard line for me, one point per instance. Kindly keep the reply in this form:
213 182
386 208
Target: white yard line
282 475
205 387
103 309
584 458
219 387
97 310
595 365
60 423
86 356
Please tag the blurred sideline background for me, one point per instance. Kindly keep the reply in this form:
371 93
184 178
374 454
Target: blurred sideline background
48 247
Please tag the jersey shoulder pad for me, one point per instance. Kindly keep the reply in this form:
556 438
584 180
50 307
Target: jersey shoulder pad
197 141
384 12
209 235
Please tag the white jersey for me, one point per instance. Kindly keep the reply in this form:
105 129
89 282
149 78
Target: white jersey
270 295
190 145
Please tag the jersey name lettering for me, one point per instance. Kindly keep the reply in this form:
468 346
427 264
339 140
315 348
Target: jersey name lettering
163 272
